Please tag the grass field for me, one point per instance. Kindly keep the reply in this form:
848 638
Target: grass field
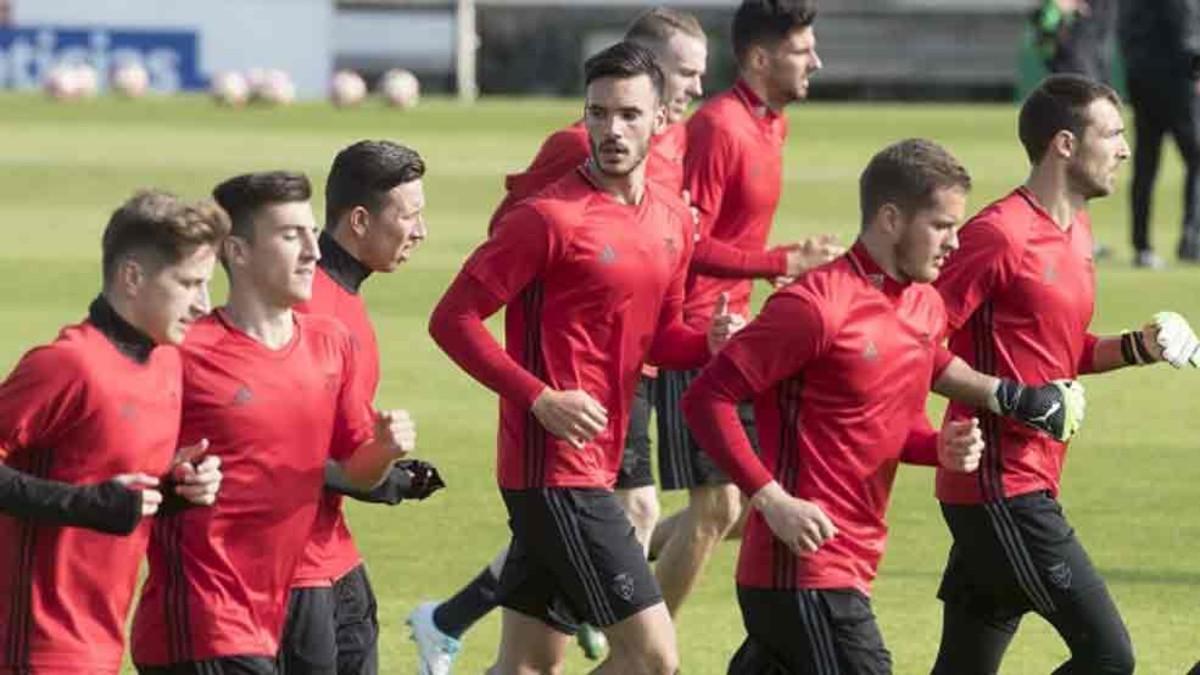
1130 488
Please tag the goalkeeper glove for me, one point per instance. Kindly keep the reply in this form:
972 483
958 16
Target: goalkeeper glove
408 479
1177 339
1056 408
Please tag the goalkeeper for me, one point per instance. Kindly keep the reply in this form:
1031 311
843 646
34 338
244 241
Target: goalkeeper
1020 295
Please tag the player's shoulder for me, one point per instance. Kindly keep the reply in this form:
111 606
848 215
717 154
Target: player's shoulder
828 280
718 119
326 292
322 326
571 138
561 203
204 333
67 356
1005 222
826 286
717 108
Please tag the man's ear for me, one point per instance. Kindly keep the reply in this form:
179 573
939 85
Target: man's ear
359 221
129 277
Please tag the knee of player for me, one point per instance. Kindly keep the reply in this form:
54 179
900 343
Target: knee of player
643 510
716 509
662 661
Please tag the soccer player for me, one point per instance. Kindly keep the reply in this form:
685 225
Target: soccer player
839 365
591 270
88 431
1019 296
276 394
733 172
680 47
374 220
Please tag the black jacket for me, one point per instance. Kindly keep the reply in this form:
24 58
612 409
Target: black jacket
1160 38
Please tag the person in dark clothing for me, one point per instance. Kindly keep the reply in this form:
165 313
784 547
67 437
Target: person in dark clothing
1160 42
1078 36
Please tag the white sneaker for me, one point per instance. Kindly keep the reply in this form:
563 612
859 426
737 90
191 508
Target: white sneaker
436 650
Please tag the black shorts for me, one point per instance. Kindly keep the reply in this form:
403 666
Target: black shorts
635 471
809 632
229 665
1018 556
682 464
574 559
332 630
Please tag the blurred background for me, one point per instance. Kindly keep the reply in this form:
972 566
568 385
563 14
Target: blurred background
951 49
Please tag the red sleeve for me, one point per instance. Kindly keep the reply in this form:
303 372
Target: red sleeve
42 398
985 259
706 168
354 423
1087 357
788 333
517 252
941 359
677 346
715 258
921 445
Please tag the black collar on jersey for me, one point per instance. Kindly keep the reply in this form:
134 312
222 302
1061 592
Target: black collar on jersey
342 267
128 340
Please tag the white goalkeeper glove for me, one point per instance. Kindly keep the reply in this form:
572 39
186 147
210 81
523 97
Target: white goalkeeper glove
1177 340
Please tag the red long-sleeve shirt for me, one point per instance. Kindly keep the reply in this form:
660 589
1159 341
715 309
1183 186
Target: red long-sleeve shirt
839 365
80 410
593 289
733 171
331 552
219 576
1019 292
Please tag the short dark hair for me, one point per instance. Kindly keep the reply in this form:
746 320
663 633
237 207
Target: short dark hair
766 23
625 60
657 25
242 196
1059 103
362 173
907 174
161 224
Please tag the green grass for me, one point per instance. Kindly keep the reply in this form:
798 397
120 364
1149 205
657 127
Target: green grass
1129 488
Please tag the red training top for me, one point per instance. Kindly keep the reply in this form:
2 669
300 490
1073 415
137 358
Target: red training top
80 410
840 364
567 148
219 576
734 173
594 288
331 552
1019 294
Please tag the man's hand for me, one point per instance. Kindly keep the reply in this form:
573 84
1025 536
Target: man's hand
687 199
396 429
1169 337
800 524
197 482
723 324
807 254
144 485
1056 408
572 415
960 445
